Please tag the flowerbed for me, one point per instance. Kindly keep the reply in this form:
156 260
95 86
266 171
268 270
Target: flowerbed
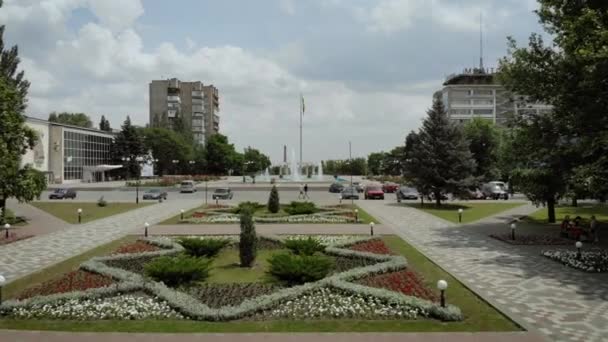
531 240
136 247
78 280
595 261
12 237
375 246
219 295
327 214
404 281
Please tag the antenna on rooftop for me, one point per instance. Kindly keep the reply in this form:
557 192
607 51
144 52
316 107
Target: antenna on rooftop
480 40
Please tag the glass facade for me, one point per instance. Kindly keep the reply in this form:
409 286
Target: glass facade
83 149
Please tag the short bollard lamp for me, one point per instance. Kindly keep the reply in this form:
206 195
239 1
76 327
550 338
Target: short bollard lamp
460 215
6 229
181 215
371 228
2 281
513 226
340 199
442 285
146 225
578 246
79 215
356 215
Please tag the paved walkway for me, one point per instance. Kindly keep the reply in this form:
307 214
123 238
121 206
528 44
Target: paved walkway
562 303
218 229
39 221
27 256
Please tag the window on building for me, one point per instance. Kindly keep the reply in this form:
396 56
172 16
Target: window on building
461 102
483 102
83 149
483 112
484 92
460 111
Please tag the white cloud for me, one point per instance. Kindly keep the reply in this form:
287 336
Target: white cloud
190 43
287 6
116 14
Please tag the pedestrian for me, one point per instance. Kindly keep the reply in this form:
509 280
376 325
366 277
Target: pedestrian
306 191
301 195
593 227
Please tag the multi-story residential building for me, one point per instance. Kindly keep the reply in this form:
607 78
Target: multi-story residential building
477 93
190 106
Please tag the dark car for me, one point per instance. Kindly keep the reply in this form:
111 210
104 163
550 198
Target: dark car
390 187
336 188
407 193
63 193
350 193
359 186
222 193
373 191
155 194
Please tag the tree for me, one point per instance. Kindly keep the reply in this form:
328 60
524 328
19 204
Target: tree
440 162
254 161
483 139
374 163
129 144
248 238
166 146
221 155
393 162
74 119
273 200
23 183
104 124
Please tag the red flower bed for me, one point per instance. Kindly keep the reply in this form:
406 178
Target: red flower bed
136 247
405 281
74 281
12 237
373 246
198 214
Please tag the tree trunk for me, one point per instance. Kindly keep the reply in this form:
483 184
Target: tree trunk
437 198
551 210
574 202
2 209
422 200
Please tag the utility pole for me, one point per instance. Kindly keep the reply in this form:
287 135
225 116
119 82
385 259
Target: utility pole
301 114
350 157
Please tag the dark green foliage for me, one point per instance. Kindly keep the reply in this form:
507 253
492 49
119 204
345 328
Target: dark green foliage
255 161
375 162
101 202
248 239
128 143
299 269
178 270
248 205
135 265
11 219
221 156
167 145
104 124
356 166
202 247
273 200
74 119
307 246
343 263
219 295
483 137
301 208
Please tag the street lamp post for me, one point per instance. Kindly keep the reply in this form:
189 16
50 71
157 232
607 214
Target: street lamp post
175 161
181 215
578 246
460 215
356 215
513 226
442 285
7 226
146 225
2 281
371 228
79 215
191 162
138 160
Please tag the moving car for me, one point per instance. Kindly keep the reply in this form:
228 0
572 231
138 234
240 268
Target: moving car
350 193
336 188
62 194
222 193
373 191
359 186
407 193
390 187
495 190
474 194
187 186
155 194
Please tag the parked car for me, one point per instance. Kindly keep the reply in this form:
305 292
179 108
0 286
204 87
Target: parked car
407 193
373 191
336 188
350 193
188 186
390 187
155 194
222 193
474 194
495 190
359 186
62 194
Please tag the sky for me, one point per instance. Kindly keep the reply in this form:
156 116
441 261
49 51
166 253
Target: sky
367 69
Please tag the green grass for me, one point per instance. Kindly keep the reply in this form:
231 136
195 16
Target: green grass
226 269
175 219
365 217
471 211
584 211
68 211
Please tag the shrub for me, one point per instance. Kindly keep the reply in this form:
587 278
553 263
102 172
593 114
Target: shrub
10 218
299 269
251 206
178 270
248 239
301 208
273 200
202 247
101 202
304 246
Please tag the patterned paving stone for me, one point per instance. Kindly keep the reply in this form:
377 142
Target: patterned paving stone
562 303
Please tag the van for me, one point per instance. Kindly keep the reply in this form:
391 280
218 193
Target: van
187 186
495 190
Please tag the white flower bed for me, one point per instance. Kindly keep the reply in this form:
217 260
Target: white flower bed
590 261
125 307
330 240
231 218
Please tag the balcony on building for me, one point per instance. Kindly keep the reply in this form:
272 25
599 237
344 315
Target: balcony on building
171 113
174 98
173 83
197 94
216 119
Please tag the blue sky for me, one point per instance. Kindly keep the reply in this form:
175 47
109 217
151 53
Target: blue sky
367 69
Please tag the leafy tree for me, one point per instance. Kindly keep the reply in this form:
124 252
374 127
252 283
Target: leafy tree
273 200
104 124
221 155
128 143
23 183
374 163
255 161
483 139
166 146
441 161
248 239
393 161
74 119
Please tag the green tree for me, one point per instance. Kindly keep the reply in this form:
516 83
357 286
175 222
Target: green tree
248 238
255 161
221 155
483 139
166 146
393 161
441 161
273 200
74 119
104 124
23 183
374 163
129 144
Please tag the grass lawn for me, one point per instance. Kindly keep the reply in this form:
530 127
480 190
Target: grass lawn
226 269
584 211
68 211
472 211
175 219
479 316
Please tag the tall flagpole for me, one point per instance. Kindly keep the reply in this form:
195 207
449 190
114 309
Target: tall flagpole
301 131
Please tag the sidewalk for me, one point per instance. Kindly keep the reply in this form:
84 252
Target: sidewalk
219 229
39 221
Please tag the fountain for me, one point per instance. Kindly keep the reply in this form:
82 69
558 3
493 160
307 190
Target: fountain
295 172
266 175
320 172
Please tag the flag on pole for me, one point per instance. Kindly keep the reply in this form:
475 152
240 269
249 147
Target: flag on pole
303 106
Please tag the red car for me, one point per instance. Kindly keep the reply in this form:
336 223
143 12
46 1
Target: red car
390 187
373 191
